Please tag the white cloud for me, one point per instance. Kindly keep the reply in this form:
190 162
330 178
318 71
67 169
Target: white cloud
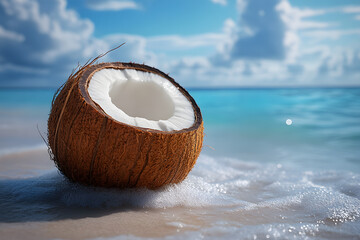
344 63
331 34
351 9
157 50
225 69
295 20
269 46
9 35
111 5
177 42
262 27
224 47
267 30
260 32
50 38
221 2
295 17
134 50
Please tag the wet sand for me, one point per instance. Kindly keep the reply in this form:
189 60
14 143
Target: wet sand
140 223
220 199
25 164
85 223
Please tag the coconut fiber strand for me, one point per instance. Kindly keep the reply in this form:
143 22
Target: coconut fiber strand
90 147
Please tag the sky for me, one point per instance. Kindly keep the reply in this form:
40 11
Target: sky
202 43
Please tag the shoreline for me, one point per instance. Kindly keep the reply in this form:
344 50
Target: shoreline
221 197
20 150
27 163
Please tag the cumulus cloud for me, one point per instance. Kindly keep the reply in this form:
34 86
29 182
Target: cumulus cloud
295 18
111 5
45 37
43 40
267 29
261 33
340 64
47 40
265 46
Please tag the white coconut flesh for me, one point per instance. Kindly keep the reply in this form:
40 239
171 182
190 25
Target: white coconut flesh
141 99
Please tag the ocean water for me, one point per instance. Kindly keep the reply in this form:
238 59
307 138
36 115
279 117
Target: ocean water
256 178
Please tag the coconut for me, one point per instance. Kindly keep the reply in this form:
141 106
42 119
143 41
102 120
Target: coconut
124 125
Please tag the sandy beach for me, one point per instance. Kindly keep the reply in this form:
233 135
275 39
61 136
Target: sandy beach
39 203
74 221
85 223
25 164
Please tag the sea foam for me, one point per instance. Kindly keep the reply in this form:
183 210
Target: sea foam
302 202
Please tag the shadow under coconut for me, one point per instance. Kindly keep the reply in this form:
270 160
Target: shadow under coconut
52 197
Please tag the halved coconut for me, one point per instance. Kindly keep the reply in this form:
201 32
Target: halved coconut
124 125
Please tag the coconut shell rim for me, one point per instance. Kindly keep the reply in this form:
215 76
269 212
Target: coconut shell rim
91 70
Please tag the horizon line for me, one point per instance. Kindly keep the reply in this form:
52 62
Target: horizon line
199 88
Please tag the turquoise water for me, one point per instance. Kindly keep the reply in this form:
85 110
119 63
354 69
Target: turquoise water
257 177
249 124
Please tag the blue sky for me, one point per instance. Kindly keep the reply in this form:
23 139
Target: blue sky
202 43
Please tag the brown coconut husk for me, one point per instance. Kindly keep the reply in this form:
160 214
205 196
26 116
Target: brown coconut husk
90 147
